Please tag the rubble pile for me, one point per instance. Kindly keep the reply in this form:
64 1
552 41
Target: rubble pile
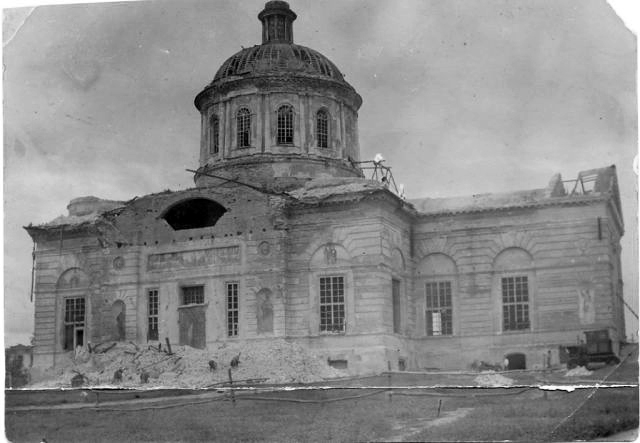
272 361
493 380
577 371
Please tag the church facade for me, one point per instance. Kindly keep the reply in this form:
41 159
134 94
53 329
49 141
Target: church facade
284 236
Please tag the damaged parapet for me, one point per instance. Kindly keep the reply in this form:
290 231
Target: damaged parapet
83 210
593 184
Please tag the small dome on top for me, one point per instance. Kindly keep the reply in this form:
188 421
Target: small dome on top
278 58
277 55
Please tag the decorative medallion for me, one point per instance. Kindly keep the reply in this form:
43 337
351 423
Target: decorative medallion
118 262
264 248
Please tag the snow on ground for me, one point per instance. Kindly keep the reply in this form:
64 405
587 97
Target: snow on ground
275 361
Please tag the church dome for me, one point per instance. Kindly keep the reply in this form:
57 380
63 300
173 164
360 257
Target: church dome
278 114
277 59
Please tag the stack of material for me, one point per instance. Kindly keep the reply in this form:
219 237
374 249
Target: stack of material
273 361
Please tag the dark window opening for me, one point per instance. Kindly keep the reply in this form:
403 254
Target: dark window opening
395 295
192 295
338 364
215 135
152 333
285 125
194 213
322 129
439 312
74 310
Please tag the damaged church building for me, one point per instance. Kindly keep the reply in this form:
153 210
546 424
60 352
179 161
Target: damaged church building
287 234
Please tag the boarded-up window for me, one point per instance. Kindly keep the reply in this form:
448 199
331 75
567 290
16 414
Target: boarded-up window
232 309
439 312
395 295
515 303
74 312
332 304
152 312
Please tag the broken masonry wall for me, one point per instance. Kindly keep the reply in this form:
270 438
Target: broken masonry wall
244 247
570 279
72 264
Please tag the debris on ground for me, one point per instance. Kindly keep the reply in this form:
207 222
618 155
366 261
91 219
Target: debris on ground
273 361
493 380
578 371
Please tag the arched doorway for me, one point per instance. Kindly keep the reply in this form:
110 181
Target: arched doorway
118 311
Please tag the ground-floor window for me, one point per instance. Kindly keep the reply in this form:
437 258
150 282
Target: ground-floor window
74 314
152 303
515 303
332 304
439 312
232 309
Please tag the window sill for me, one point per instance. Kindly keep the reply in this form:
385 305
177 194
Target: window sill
517 331
194 305
332 333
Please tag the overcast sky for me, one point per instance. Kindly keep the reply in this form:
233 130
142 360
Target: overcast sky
461 97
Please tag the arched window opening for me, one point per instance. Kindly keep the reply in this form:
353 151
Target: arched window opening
322 129
514 266
440 273
285 125
194 213
214 146
243 119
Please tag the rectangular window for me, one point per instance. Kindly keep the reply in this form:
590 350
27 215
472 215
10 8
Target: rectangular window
515 303
232 309
152 314
322 129
332 304
74 309
215 135
192 295
395 295
243 121
439 312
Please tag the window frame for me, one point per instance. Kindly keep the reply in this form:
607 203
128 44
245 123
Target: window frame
153 318
515 303
243 128
214 135
72 324
232 303
183 295
285 122
322 135
446 328
330 327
